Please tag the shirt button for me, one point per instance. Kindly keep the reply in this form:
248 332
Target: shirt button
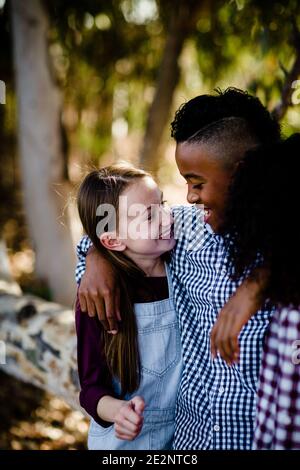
216 428
224 271
221 390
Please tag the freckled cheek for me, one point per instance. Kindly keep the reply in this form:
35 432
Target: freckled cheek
123 224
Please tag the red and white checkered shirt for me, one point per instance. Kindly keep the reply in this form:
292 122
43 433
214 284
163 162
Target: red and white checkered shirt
278 411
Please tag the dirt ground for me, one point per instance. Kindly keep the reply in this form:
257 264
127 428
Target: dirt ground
31 419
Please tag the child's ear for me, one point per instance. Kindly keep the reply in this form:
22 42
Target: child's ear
110 241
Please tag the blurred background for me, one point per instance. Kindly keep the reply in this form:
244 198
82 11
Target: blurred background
90 82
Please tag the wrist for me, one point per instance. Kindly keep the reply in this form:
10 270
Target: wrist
93 258
108 407
92 250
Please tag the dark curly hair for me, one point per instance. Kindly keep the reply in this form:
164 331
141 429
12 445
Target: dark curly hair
232 102
261 218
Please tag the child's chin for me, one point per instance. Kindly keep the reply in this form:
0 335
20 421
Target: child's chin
167 244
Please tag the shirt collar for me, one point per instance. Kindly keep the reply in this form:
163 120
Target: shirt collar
209 229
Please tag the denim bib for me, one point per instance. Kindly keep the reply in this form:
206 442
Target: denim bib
160 355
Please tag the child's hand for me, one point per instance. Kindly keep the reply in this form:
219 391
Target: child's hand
129 419
99 292
233 316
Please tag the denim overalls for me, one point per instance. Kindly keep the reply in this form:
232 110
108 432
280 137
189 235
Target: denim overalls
160 354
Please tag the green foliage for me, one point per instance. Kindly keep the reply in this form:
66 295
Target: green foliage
106 56
97 51
248 43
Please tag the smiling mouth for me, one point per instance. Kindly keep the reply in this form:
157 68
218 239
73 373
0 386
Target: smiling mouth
207 214
168 234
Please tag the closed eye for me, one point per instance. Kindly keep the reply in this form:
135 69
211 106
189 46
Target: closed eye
197 186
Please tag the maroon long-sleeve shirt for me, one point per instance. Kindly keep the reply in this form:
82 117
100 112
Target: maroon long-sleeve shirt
94 375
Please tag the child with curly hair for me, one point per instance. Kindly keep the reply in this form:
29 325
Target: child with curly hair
262 221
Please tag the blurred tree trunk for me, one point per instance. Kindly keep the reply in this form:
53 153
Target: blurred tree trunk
183 18
38 342
40 144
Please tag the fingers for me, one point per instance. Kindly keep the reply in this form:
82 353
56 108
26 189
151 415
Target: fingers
128 423
225 350
122 436
232 318
86 300
217 334
127 427
138 405
223 338
229 337
99 305
129 414
96 305
110 312
122 433
82 301
102 313
98 291
91 309
227 344
106 307
118 304
235 347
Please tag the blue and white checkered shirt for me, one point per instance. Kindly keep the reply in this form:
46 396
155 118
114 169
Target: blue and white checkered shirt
216 403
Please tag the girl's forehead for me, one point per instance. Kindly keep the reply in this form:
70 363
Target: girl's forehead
142 191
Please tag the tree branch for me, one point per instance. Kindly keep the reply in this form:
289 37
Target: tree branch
38 343
182 21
